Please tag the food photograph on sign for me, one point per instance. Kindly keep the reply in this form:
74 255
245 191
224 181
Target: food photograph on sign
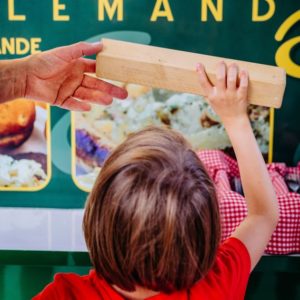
97 132
24 153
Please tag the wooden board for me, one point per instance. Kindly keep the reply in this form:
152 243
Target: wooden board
176 70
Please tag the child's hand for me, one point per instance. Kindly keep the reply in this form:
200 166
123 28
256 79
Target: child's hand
228 97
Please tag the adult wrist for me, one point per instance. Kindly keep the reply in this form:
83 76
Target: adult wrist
20 77
12 79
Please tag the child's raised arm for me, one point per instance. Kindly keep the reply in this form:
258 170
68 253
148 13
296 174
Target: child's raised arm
229 100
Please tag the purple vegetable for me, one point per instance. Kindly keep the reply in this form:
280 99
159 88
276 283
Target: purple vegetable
89 148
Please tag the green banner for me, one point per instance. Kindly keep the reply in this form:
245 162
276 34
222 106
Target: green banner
263 31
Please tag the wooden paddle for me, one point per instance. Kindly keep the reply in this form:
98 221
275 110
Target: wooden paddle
176 70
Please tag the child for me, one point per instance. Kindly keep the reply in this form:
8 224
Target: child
152 224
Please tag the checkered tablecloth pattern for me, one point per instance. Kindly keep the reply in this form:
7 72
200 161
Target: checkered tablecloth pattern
233 208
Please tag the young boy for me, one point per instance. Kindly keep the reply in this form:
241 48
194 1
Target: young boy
152 223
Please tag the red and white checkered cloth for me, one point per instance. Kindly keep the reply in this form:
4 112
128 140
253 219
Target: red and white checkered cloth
233 208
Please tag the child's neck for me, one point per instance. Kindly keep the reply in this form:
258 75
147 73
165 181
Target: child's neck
140 293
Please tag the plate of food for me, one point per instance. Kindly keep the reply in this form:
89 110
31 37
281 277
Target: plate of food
24 145
97 132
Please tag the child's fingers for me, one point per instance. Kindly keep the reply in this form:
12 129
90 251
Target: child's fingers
244 83
232 77
204 81
221 76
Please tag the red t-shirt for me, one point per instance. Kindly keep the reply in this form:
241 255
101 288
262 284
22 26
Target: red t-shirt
226 280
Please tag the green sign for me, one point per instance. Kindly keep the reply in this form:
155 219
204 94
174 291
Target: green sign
259 31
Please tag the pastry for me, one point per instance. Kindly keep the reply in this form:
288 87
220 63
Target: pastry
16 123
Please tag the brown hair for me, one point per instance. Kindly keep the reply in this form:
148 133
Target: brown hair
152 218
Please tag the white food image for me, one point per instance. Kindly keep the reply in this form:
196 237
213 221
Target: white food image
20 173
87 181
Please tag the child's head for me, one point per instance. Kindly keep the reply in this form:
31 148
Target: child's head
152 217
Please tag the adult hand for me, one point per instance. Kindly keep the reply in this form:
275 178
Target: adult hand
57 77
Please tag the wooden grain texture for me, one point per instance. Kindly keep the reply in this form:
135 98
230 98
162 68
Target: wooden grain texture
175 70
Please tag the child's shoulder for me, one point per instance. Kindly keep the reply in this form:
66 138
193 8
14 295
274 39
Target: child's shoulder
229 275
234 246
233 255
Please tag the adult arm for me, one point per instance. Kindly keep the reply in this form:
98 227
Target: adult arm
57 77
